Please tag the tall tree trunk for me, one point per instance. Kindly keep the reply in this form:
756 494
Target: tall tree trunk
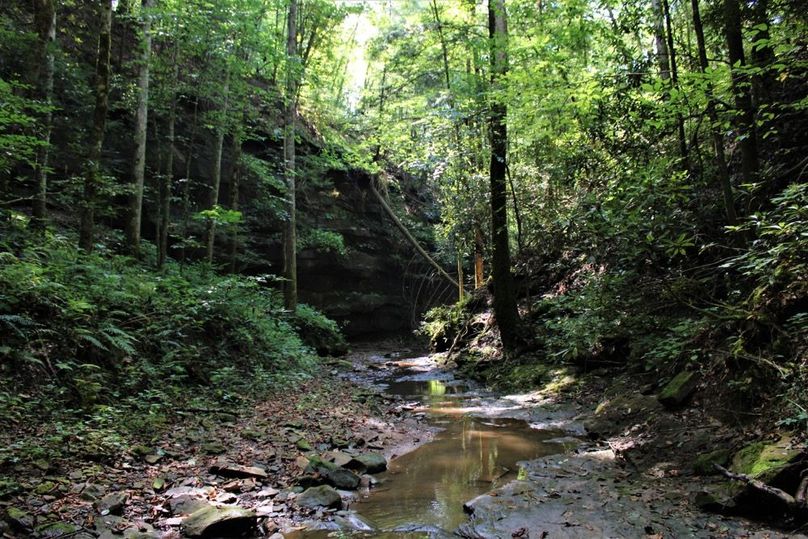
141 122
46 30
745 116
661 43
290 232
762 53
505 309
235 177
717 137
167 179
216 180
680 122
186 182
93 173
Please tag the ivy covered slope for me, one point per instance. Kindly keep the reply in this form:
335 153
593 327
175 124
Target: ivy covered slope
104 334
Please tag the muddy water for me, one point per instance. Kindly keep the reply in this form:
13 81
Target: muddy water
428 486
477 449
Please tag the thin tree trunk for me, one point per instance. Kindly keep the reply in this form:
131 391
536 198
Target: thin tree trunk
762 53
680 122
517 213
712 115
745 118
235 177
92 176
167 179
141 122
505 309
479 265
186 183
290 232
216 180
659 39
46 28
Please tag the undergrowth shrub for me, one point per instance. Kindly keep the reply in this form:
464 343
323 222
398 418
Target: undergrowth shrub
88 330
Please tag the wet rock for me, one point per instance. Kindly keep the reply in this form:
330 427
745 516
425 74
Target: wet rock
322 496
45 487
213 521
765 461
317 464
705 463
309 480
372 462
350 521
152 459
213 448
92 492
54 530
613 415
237 471
19 519
719 499
678 390
111 504
343 479
185 504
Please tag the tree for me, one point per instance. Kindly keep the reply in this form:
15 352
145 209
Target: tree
715 129
290 97
92 177
505 309
45 21
742 90
141 122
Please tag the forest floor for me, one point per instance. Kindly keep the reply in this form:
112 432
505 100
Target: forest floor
249 458
251 464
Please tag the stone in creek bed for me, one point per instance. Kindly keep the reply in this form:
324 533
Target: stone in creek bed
344 479
322 496
372 462
236 471
212 521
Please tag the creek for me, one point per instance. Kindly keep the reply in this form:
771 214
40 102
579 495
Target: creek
482 437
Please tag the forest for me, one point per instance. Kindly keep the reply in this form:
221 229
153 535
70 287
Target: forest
315 268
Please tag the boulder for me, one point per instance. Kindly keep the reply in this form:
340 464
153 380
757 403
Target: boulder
111 504
19 519
369 462
705 463
322 496
185 504
344 479
677 391
615 414
214 521
765 461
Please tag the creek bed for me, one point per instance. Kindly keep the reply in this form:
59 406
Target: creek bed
477 449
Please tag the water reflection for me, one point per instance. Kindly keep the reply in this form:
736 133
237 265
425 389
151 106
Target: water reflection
429 485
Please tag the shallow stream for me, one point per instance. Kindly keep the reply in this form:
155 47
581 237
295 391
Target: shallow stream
477 449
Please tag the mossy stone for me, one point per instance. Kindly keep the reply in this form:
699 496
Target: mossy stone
705 463
678 390
763 460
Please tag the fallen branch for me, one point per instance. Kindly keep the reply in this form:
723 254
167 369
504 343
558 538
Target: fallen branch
403 229
785 497
207 411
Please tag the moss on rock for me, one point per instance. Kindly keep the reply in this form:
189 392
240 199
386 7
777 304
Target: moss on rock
763 460
678 390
